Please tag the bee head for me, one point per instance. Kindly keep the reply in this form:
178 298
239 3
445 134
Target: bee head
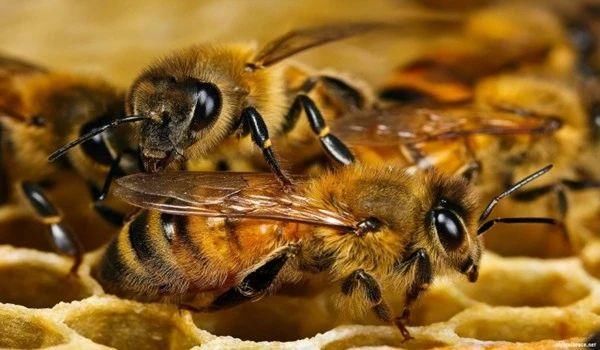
452 225
179 111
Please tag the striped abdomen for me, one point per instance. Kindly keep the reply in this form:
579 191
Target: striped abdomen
159 255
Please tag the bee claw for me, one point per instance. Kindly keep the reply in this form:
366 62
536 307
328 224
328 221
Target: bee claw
399 322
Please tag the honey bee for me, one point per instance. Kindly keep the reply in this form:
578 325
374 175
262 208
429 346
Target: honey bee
449 138
202 101
369 229
40 110
490 146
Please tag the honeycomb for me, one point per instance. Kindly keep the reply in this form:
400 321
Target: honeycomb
518 302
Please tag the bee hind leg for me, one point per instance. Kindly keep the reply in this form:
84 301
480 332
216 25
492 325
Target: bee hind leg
332 145
61 237
380 308
420 265
256 283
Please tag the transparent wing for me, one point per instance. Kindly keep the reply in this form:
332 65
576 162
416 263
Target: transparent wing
412 124
225 194
302 39
306 38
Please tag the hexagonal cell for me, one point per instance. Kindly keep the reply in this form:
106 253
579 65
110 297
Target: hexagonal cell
374 340
36 285
275 318
524 325
23 331
127 326
509 285
438 304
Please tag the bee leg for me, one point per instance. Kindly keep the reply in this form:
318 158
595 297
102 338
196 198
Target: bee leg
420 265
107 213
114 171
63 240
373 294
560 191
254 122
256 283
333 146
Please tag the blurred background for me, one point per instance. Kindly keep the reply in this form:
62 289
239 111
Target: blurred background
116 39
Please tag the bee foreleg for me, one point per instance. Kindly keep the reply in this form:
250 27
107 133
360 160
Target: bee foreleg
254 122
114 171
63 240
333 146
372 292
420 265
256 283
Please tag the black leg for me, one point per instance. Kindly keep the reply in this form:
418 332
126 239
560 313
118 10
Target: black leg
63 240
370 287
107 213
256 283
559 189
419 265
333 146
254 122
114 171
337 88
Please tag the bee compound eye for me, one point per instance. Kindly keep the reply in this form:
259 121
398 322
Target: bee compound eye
448 227
208 105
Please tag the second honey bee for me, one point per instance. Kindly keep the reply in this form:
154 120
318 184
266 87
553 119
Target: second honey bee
372 230
41 109
204 101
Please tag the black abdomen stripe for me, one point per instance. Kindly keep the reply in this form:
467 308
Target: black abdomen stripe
153 249
139 237
180 224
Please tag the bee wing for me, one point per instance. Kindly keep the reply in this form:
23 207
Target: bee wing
299 40
225 194
412 124
306 38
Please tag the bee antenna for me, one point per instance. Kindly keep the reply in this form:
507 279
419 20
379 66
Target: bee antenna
518 220
85 137
509 191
